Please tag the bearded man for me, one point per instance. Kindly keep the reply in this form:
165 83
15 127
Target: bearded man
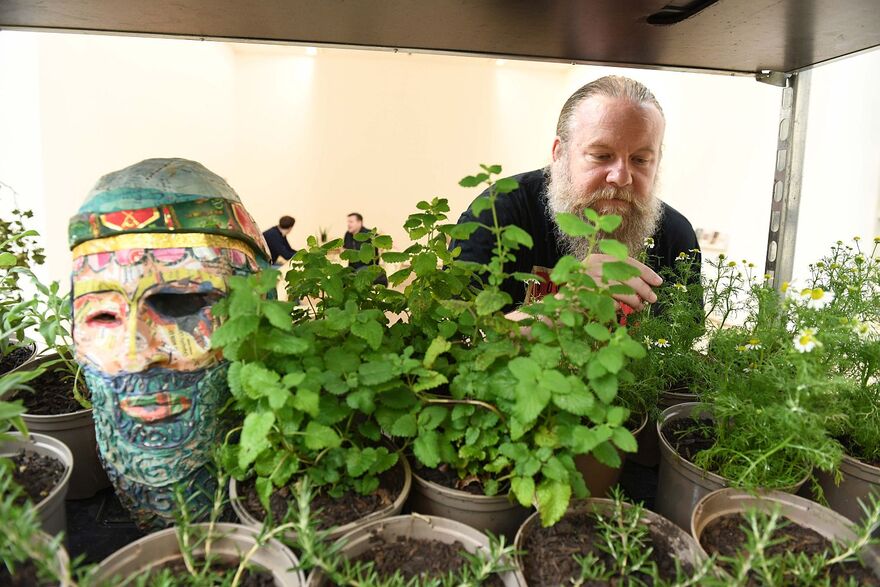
605 157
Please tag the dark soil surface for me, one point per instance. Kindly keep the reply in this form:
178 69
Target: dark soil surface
549 559
223 570
688 437
447 477
36 474
15 359
853 450
52 395
335 512
725 537
416 558
25 576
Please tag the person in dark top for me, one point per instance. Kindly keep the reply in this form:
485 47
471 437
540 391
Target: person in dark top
276 238
355 225
605 157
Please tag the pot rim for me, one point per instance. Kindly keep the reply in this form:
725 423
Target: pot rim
249 520
61 450
856 465
683 411
133 549
604 504
831 525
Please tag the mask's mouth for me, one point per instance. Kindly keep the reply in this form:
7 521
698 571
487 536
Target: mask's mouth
157 406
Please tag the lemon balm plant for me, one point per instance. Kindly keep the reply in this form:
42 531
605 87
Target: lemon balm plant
526 397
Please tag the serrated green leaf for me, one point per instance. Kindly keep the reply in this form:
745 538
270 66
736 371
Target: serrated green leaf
307 400
606 454
624 440
553 498
318 436
405 426
618 271
463 231
506 185
554 469
254 433
605 387
491 300
375 372
426 448
431 417
610 357
234 330
608 224
437 347
281 342
525 369
530 402
584 439
371 331
632 349
614 248
578 403
571 225
278 314
523 490
597 331
513 234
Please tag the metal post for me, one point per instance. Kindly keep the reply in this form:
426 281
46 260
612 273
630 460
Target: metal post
791 140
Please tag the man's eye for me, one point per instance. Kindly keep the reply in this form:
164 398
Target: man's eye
600 156
180 305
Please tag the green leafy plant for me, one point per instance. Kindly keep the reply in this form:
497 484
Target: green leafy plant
526 397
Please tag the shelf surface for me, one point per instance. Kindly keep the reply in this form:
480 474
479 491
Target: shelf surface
740 36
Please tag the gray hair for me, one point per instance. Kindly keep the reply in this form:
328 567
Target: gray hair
610 86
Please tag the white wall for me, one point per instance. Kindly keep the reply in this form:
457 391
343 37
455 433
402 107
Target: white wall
840 197
318 136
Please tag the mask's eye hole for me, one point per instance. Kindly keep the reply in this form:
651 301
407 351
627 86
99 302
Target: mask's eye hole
180 305
104 318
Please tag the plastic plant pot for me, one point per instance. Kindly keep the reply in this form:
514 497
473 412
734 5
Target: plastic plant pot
598 477
50 508
419 527
859 480
231 542
648 454
248 519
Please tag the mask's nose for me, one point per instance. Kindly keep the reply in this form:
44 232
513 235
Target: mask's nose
142 349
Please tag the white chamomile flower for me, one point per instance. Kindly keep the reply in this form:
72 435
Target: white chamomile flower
867 330
680 287
648 341
741 348
662 343
754 344
649 243
682 257
816 298
805 340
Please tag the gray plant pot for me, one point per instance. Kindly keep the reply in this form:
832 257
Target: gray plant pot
51 507
859 480
231 541
498 514
418 527
77 431
648 454
680 483
680 542
804 512
248 519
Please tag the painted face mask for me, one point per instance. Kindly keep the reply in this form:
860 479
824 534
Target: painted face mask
154 247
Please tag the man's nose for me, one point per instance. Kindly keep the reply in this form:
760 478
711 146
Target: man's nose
142 349
619 174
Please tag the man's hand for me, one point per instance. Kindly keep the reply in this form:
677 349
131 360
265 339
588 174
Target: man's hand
643 284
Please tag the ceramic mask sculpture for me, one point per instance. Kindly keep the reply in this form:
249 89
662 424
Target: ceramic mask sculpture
154 246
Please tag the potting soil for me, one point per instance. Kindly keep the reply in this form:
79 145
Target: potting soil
447 477
221 570
36 474
724 536
15 358
334 512
416 558
688 437
52 395
25 575
549 553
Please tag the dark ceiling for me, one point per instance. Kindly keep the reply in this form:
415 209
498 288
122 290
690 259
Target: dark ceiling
728 35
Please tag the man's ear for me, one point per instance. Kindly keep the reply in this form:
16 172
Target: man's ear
556 151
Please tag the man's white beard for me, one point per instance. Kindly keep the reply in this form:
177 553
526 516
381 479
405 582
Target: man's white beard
639 222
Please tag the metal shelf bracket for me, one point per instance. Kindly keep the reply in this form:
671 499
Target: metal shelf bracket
786 194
